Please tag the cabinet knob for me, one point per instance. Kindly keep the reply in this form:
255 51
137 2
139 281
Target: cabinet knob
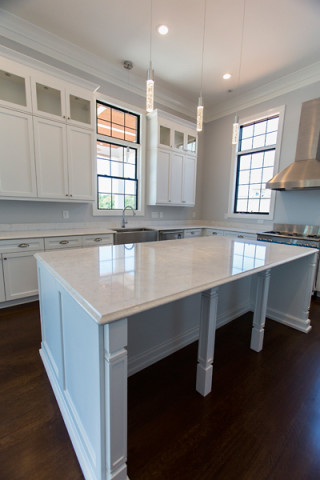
64 242
240 236
23 245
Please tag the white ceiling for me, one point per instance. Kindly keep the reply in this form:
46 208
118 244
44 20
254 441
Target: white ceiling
280 38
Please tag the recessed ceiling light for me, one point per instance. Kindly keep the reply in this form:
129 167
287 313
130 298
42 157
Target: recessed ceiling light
163 29
226 76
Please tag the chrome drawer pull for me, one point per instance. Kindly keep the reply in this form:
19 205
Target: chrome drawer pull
24 245
64 242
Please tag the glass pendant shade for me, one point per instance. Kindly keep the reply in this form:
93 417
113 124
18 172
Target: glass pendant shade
150 91
235 131
200 115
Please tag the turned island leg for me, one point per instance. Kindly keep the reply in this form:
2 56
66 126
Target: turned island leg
208 320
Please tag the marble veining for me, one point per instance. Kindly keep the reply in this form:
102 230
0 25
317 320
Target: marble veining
112 282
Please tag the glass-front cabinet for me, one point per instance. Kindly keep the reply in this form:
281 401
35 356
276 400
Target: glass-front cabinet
14 87
61 102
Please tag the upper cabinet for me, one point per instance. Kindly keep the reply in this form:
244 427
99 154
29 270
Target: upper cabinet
47 136
172 159
15 89
62 102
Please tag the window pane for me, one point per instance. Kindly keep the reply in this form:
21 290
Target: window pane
267 174
104 201
265 205
117 186
129 171
259 141
265 193
242 205
103 149
117 131
254 192
260 128
118 201
269 158
247 131
130 187
116 169
117 153
245 162
273 124
130 134
256 175
257 159
130 200
244 177
117 116
103 167
253 205
243 191
271 138
104 128
246 144
104 185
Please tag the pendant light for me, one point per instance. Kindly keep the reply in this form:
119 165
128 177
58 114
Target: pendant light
236 126
200 100
150 75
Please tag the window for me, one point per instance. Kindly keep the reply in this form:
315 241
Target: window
117 158
256 160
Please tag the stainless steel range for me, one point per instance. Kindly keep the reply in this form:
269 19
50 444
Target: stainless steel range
299 235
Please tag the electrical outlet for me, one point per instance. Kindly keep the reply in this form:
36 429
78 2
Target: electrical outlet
65 214
161 214
154 214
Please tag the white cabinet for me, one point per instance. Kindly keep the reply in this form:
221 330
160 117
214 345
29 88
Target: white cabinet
19 267
96 240
192 232
15 86
17 167
47 136
172 147
20 275
54 243
251 236
64 160
211 231
60 101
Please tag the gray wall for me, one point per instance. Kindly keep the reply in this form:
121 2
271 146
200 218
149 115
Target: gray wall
301 207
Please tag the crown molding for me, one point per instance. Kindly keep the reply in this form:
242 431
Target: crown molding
281 86
26 35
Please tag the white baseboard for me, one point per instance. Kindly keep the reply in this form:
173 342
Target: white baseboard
290 320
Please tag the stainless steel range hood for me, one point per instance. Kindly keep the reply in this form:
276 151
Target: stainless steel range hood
304 172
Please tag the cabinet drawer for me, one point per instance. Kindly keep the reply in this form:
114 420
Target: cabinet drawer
21 245
209 231
194 232
96 240
54 243
20 275
251 236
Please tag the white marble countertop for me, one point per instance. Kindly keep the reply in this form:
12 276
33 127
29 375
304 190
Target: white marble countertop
113 282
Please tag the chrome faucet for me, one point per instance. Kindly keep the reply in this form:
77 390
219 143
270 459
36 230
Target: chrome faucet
124 221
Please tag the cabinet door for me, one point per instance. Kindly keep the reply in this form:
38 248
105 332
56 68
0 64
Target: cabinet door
20 275
81 146
163 166
2 292
48 98
80 108
175 185
51 158
15 87
17 169
189 180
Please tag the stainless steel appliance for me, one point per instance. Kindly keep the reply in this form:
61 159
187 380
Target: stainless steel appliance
170 234
299 235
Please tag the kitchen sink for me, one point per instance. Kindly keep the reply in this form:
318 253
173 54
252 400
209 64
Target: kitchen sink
134 235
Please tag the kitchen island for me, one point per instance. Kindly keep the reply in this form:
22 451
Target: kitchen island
88 296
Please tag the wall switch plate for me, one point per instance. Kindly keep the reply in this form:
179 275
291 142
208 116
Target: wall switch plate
65 214
161 214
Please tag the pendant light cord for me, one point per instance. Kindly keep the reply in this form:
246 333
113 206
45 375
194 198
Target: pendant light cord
150 32
241 41
203 37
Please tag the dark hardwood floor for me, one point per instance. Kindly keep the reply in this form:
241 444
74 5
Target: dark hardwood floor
261 421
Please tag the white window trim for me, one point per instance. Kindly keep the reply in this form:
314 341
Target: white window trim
141 148
233 177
